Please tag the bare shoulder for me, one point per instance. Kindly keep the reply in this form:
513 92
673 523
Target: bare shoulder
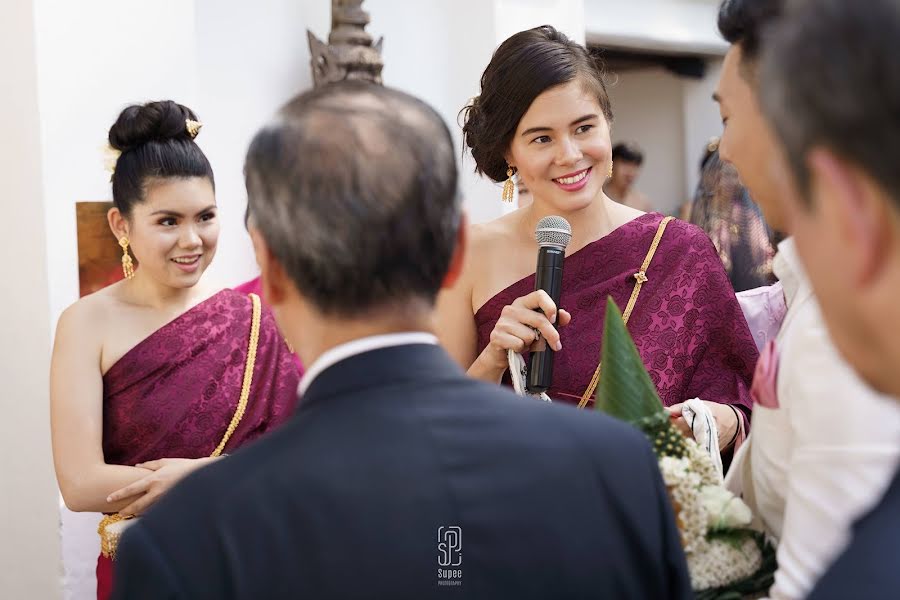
488 236
84 321
89 310
630 214
484 242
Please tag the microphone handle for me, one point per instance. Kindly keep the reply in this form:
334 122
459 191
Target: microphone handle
548 277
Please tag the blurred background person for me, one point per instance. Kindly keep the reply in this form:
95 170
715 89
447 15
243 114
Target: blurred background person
627 160
525 197
722 208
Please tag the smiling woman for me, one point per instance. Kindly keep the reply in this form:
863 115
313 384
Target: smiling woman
157 374
544 112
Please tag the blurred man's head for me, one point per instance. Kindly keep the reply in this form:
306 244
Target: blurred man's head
353 194
833 94
627 161
747 139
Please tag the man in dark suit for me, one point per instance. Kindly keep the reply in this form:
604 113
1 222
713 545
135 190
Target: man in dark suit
399 477
832 91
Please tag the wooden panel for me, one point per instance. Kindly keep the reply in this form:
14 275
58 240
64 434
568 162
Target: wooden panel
99 254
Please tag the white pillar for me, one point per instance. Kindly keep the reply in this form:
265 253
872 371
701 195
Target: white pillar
29 520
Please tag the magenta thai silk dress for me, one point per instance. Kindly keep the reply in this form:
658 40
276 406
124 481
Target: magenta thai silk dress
686 323
174 394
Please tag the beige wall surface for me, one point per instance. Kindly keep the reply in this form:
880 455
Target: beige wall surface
647 109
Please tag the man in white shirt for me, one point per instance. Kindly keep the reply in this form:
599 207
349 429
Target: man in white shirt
823 445
833 94
398 476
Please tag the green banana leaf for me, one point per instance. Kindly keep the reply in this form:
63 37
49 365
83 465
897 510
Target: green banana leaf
625 390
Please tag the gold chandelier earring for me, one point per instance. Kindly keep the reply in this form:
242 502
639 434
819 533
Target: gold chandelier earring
610 170
509 186
127 264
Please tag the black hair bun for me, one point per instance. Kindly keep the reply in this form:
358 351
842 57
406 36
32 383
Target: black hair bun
159 121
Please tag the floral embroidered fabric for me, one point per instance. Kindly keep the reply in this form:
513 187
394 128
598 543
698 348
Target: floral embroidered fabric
174 393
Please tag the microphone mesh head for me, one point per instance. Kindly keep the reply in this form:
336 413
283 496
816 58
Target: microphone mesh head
553 231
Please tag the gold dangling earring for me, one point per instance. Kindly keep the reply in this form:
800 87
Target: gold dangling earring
610 170
509 186
127 264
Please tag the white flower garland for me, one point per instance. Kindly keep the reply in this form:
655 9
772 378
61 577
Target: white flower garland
703 506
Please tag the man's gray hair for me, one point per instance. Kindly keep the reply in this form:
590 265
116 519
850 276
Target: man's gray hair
354 188
829 77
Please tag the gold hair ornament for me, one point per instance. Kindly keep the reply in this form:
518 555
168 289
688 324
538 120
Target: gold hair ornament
193 127
110 159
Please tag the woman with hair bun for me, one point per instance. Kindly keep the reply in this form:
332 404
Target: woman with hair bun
544 114
159 374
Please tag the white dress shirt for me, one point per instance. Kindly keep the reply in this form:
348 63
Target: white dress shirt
352 348
823 457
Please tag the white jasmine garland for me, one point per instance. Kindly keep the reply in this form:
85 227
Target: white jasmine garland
716 563
702 507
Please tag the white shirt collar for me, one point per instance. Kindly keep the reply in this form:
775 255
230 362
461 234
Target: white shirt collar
790 272
344 351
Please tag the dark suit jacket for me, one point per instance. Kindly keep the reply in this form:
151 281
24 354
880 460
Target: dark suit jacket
400 477
870 567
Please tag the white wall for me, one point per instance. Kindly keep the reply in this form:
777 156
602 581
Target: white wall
671 25
648 109
436 51
29 546
251 58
